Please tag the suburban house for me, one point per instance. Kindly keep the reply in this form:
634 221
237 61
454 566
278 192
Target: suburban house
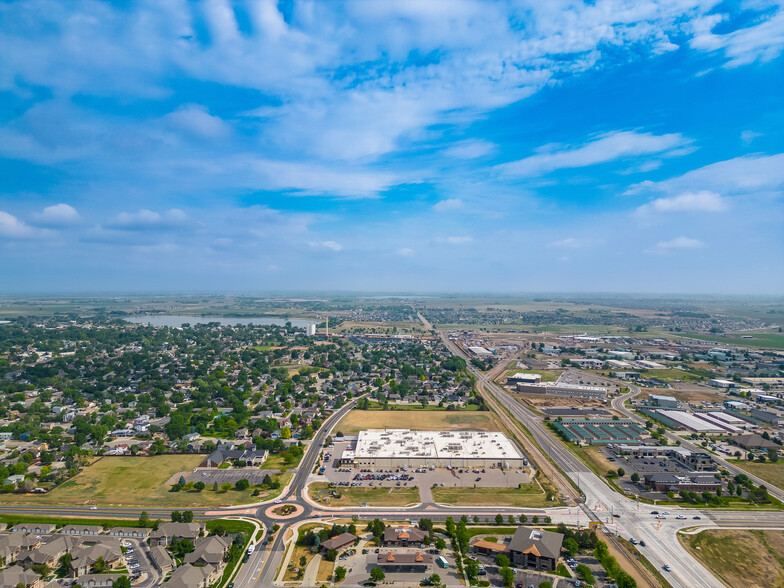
167 532
14 576
162 559
403 536
136 532
12 544
36 528
339 542
81 530
97 580
189 576
84 556
209 550
535 548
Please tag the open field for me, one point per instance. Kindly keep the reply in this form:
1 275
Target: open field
672 374
687 394
767 340
547 375
359 420
355 496
529 495
132 481
740 558
770 472
391 327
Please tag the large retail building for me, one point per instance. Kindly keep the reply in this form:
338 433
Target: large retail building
415 449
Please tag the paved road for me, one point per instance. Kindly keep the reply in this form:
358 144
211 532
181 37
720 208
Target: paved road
618 404
662 545
635 519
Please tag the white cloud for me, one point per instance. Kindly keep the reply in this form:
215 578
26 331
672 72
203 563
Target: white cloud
748 136
605 148
146 219
762 41
195 120
57 215
703 201
449 205
459 240
329 245
741 175
405 252
471 149
676 243
13 228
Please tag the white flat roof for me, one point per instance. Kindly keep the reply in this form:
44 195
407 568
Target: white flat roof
403 443
690 421
480 350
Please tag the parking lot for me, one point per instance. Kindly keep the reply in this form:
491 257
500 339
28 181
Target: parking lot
209 477
138 562
400 476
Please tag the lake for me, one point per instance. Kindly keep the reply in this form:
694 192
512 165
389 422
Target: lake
172 320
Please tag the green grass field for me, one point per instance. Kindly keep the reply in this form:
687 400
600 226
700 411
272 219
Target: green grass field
530 495
746 559
359 420
355 496
132 481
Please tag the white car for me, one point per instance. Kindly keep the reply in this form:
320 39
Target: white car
278 502
93 508
680 517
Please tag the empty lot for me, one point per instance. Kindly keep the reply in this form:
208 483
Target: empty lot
430 420
132 481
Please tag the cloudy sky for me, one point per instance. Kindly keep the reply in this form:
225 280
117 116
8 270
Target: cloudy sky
414 145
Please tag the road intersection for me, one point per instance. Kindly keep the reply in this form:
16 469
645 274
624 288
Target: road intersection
599 504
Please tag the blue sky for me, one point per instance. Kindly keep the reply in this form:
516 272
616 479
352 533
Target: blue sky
416 145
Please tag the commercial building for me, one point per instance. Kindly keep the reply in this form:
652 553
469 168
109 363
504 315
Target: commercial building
404 448
564 390
404 536
695 461
535 548
310 330
663 401
674 482
601 431
521 378
391 561
768 417
736 405
339 542
752 441
719 383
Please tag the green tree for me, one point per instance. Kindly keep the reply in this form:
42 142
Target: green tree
242 484
635 477
585 573
199 486
499 520
340 573
377 575
100 566
507 576
303 561
501 560
621 472
435 579
121 582
472 568
571 546
144 519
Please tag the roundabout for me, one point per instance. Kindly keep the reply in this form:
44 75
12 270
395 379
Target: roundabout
284 512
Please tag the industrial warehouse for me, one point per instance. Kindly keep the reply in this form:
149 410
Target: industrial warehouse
404 448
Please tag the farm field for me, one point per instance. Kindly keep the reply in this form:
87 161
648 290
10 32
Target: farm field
355 496
425 420
133 481
740 558
529 495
